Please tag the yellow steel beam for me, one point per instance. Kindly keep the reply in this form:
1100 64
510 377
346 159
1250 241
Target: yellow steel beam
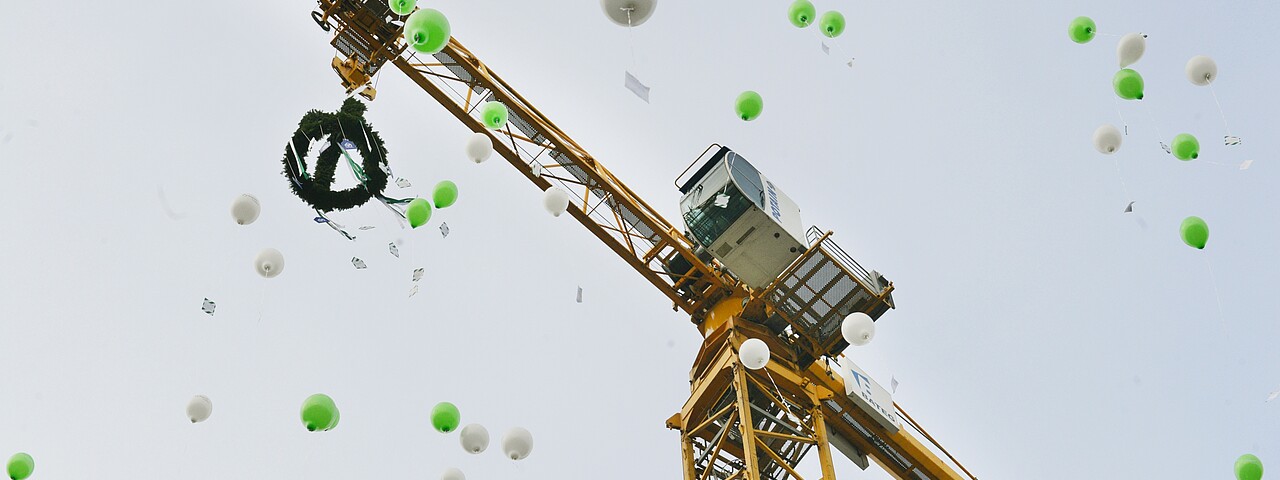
710 296
749 456
824 445
616 232
917 455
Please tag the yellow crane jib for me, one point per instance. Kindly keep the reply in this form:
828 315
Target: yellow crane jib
743 268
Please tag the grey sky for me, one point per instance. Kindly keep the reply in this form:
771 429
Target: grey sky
1040 333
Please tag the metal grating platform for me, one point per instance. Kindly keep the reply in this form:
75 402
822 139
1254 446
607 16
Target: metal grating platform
821 288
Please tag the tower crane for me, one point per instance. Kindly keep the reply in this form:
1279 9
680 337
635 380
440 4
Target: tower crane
743 268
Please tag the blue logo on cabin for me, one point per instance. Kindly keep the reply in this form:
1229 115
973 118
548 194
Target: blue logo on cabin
773 202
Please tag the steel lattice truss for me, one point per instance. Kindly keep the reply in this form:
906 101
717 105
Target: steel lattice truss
779 422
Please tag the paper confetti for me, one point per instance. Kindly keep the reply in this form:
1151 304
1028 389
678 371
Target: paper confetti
1245 164
358 263
579 294
164 203
632 83
893 384
209 306
366 227
825 48
417 274
1230 140
1129 209
722 200
1273 395
1166 148
402 183
413 291
394 249
444 229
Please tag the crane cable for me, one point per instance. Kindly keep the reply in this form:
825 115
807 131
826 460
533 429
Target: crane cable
910 421
902 413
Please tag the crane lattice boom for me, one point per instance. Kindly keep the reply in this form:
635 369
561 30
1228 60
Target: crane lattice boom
799 402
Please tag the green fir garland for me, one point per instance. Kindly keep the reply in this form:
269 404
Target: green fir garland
346 124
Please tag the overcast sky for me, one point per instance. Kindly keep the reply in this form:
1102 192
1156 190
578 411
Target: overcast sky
1040 332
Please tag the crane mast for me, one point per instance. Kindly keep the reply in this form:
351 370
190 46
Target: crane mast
738 423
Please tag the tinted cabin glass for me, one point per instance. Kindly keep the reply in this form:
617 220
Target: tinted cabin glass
747 178
708 221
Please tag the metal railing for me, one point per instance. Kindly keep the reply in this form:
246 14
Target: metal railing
815 235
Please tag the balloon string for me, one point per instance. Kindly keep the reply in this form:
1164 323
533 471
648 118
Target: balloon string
631 37
1121 114
1123 185
262 299
1224 115
186 453
1213 280
1154 126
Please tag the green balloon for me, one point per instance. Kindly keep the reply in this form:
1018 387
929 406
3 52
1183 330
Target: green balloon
493 114
801 13
1186 147
749 105
1248 467
319 413
427 31
1128 84
402 7
832 24
419 212
21 465
445 194
1195 233
1082 29
445 417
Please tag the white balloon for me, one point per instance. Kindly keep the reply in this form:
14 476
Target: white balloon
270 262
199 408
479 147
245 209
1131 48
517 443
1202 70
474 438
639 10
754 354
555 200
858 329
453 474
1107 139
